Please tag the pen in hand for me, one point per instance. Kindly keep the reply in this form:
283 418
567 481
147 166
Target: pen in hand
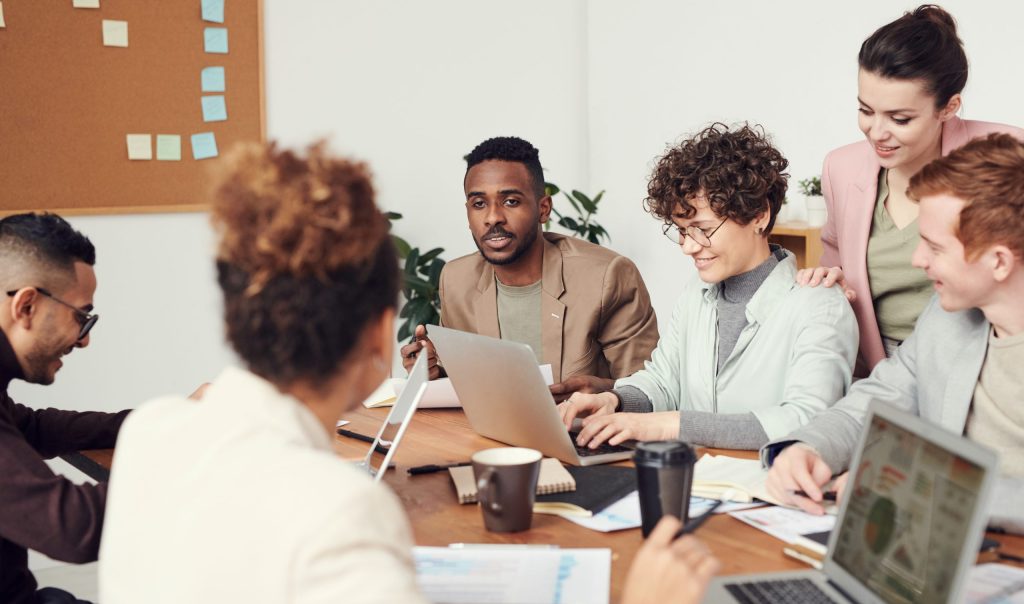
825 495
695 523
366 439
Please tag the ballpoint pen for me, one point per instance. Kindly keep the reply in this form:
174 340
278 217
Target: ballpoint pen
366 439
430 468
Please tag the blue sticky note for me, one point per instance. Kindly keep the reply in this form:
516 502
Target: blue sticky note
213 79
213 10
215 40
214 109
204 145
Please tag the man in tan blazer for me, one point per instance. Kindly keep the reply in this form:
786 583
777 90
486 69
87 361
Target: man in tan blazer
581 307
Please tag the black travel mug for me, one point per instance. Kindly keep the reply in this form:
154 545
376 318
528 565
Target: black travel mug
664 472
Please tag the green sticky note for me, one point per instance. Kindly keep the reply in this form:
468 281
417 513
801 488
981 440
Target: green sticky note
204 145
214 108
213 10
213 79
168 147
215 40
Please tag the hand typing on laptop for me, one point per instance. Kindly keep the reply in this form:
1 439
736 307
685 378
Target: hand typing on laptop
600 423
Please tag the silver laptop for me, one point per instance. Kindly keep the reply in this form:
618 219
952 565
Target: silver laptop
505 398
393 428
909 525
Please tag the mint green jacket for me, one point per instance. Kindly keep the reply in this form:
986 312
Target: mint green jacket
793 359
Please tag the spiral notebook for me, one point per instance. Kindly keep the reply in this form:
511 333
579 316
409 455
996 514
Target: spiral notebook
554 478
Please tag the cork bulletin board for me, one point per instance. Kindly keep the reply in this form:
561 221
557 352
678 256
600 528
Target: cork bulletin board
85 84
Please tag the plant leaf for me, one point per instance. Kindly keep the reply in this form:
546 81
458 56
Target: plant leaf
434 273
570 224
410 261
434 253
551 188
405 331
401 246
584 201
572 201
392 216
597 199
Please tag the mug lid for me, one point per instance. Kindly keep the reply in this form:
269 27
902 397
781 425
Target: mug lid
665 451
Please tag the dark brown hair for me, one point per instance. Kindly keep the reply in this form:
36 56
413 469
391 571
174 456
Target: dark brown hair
920 45
988 175
739 172
304 259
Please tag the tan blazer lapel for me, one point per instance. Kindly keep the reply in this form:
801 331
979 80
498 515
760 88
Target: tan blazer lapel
485 307
552 310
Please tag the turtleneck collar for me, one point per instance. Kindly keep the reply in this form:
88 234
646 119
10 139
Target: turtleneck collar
742 287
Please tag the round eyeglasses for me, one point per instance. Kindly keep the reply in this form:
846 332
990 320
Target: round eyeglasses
702 237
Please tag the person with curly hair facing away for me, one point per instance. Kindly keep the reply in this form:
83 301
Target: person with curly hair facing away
748 356
258 507
580 307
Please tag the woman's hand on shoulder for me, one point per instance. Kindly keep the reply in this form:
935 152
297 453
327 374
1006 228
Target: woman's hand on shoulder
826 276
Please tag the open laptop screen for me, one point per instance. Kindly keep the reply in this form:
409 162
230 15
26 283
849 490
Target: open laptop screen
908 514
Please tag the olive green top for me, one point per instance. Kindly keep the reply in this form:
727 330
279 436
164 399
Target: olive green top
519 315
899 291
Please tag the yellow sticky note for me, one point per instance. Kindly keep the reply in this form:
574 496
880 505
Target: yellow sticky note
2 23
85 3
168 147
140 146
115 33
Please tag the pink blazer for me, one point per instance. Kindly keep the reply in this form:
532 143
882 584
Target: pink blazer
849 182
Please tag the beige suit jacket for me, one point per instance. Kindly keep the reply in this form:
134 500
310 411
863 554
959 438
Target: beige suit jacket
596 313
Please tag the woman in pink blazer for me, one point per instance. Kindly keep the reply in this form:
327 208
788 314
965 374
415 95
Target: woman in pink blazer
911 74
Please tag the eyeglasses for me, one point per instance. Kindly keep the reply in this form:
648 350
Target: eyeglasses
678 234
86 321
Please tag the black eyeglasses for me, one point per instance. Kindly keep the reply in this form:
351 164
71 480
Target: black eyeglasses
678 234
85 320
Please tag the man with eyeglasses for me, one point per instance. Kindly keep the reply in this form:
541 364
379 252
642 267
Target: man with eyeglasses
46 271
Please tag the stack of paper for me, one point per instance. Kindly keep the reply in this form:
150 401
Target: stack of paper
713 475
513 574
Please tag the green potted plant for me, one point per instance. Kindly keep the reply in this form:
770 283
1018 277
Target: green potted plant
811 189
421 278
583 224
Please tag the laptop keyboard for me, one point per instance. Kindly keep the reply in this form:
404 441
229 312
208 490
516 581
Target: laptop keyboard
794 591
602 449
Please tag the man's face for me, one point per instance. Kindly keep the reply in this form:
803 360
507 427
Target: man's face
504 213
959 283
56 327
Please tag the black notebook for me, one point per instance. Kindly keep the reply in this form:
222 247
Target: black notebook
597 487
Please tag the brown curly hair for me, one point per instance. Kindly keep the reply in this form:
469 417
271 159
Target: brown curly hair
304 259
739 172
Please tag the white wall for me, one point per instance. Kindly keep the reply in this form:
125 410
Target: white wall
600 87
660 69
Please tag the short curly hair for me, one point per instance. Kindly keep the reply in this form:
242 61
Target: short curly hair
514 149
738 171
304 259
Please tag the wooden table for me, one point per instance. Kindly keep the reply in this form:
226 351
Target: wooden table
443 436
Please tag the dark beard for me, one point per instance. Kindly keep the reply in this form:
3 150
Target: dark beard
522 245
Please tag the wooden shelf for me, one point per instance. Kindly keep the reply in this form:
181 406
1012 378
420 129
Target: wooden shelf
801 239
